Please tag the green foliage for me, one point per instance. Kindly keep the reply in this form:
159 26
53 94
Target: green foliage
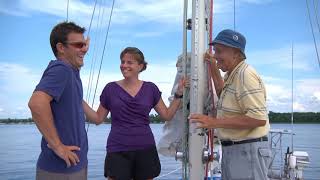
15 121
156 119
298 117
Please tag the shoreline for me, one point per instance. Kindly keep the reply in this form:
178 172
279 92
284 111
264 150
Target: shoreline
274 118
23 123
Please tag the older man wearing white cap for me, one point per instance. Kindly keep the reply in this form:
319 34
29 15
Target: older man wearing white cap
242 118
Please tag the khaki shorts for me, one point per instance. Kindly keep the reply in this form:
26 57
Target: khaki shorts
45 175
248 161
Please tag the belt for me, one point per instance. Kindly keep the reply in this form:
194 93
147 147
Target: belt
230 143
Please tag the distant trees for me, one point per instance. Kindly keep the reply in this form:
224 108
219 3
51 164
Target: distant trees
155 119
298 117
10 121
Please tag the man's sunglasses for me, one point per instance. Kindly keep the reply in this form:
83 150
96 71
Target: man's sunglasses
78 45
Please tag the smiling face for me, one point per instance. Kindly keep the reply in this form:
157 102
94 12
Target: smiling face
227 57
73 50
129 66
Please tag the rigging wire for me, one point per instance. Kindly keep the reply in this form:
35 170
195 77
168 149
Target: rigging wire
99 33
93 61
94 9
210 132
186 90
316 7
168 173
292 98
94 55
67 10
234 15
314 39
104 47
316 14
88 29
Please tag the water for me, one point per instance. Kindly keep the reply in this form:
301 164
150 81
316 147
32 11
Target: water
20 147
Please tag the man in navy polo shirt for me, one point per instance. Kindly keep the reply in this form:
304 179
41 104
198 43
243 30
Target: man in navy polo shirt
56 107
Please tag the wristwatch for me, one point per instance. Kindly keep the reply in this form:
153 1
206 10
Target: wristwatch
177 96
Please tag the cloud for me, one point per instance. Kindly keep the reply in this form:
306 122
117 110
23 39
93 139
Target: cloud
78 11
305 95
166 14
125 12
165 11
298 107
305 90
13 12
281 57
17 83
317 95
11 8
16 78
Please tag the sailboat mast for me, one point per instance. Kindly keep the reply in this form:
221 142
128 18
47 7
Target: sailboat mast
185 169
197 90
292 98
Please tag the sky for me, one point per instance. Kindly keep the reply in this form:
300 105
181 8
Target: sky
271 27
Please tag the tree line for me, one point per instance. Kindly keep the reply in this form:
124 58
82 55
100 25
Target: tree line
274 117
298 117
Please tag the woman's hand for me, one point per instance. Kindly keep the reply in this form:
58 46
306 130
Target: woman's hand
183 83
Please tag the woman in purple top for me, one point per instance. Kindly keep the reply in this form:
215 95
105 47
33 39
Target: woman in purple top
131 149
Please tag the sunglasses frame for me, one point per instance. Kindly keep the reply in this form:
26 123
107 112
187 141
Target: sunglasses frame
77 44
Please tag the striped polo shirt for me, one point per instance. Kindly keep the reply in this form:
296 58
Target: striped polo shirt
243 94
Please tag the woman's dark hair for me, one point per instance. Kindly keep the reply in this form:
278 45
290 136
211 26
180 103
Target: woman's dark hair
138 55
